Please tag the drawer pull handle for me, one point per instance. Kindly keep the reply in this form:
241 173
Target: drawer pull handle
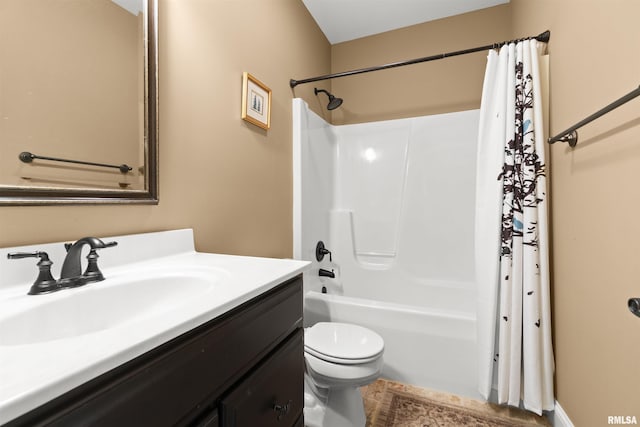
282 410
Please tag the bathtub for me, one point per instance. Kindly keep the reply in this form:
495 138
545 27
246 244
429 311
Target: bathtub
425 347
394 202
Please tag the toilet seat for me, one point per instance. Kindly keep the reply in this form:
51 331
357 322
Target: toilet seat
343 343
327 374
338 360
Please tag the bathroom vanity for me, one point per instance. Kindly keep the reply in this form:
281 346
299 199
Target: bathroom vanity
231 356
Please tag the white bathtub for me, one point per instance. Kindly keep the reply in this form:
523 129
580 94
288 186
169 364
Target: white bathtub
394 202
423 347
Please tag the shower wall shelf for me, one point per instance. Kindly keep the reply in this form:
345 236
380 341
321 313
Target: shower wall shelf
571 135
28 157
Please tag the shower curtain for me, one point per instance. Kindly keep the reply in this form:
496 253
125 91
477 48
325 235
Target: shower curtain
512 268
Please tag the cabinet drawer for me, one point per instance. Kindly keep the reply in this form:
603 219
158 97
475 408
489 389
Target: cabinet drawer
271 396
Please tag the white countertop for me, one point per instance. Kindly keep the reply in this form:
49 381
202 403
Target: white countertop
33 374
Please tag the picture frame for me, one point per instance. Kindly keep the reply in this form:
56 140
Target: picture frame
256 101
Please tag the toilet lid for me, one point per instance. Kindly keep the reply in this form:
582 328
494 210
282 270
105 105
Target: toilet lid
342 342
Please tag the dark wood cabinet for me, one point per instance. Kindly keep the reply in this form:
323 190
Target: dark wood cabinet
244 368
273 395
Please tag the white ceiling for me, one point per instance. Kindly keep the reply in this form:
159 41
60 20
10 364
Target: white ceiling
343 20
132 6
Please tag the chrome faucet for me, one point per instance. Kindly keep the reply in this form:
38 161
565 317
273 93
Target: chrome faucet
71 274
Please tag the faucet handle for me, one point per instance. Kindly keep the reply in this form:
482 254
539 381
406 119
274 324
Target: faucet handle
93 273
321 251
94 242
18 255
45 282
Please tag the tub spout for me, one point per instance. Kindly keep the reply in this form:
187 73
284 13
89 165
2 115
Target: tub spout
326 273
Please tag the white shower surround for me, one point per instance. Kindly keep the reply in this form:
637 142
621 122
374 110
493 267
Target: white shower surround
394 202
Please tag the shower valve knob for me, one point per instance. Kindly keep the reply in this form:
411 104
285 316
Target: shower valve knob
321 251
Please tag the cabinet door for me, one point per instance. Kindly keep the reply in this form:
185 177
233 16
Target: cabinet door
209 420
273 395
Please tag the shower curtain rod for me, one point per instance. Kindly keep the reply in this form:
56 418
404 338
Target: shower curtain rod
543 37
571 135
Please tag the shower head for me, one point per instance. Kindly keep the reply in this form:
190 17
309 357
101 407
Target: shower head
333 101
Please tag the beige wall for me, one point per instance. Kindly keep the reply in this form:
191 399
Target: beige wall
451 84
595 190
595 199
229 180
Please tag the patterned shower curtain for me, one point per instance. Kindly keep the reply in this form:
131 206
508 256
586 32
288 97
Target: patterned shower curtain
512 267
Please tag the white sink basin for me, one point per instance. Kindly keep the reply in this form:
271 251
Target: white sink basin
102 305
157 288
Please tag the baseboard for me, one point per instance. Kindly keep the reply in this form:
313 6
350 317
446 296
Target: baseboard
559 418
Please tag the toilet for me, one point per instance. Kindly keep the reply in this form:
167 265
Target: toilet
339 358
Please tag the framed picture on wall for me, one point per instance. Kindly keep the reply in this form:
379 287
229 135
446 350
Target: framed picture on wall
256 101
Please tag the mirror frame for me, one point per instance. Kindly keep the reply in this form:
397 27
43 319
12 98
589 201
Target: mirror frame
24 196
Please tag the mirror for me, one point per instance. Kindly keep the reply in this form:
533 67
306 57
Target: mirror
78 102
